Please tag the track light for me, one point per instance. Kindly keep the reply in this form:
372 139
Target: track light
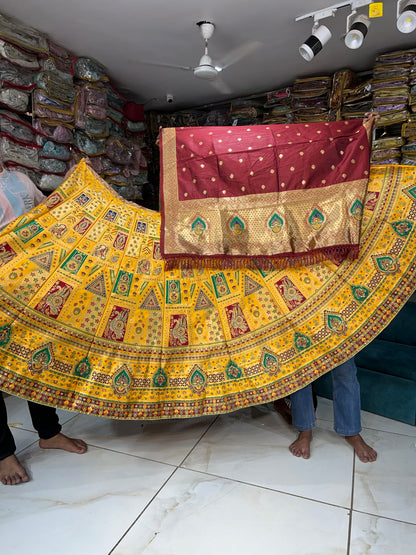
406 16
314 44
357 31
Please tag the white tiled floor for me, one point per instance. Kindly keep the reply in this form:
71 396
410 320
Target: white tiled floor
218 485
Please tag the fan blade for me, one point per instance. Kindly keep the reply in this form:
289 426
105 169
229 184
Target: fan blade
238 53
161 64
221 86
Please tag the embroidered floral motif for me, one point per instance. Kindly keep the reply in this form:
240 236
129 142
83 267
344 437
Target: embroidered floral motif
83 368
357 210
276 223
270 362
387 264
316 219
237 226
197 380
5 333
40 359
302 342
160 379
335 323
233 371
122 381
402 228
199 227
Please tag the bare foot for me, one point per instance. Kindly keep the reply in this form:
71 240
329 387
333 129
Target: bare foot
302 446
60 441
364 452
12 472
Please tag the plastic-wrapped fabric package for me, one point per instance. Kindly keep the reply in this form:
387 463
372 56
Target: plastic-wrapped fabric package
89 69
57 133
53 112
50 182
135 126
51 165
61 57
119 151
11 75
55 150
114 129
56 87
14 99
13 126
217 117
115 98
119 180
88 145
115 115
49 64
91 110
18 56
11 151
27 37
96 128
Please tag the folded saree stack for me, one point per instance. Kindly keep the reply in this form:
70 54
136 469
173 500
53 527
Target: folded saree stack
390 86
278 106
311 99
93 320
357 100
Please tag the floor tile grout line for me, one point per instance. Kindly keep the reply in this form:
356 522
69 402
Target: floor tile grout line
198 442
222 478
161 487
144 509
385 517
250 484
351 504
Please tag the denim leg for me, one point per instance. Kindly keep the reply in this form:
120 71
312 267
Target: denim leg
303 413
346 395
7 444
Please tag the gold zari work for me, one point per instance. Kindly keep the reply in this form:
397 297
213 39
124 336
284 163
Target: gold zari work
90 320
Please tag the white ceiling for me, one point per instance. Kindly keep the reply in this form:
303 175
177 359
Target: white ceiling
123 33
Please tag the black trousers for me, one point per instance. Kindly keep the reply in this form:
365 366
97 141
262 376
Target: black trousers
44 420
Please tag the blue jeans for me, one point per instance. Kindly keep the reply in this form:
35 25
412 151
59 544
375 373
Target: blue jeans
346 396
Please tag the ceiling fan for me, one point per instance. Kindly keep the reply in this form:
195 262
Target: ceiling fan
206 68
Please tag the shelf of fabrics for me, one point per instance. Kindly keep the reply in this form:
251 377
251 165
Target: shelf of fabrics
59 108
310 97
390 86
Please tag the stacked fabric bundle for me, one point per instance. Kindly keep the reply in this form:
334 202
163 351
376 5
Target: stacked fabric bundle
387 150
20 51
408 132
56 108
246 112
91 127
412 93
357 100
53 115
311 99
217 116
278 106
390 86
341 80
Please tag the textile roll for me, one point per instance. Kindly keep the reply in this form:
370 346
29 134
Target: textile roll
248 196
92 321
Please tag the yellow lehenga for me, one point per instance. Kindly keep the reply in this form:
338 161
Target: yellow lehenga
91 321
